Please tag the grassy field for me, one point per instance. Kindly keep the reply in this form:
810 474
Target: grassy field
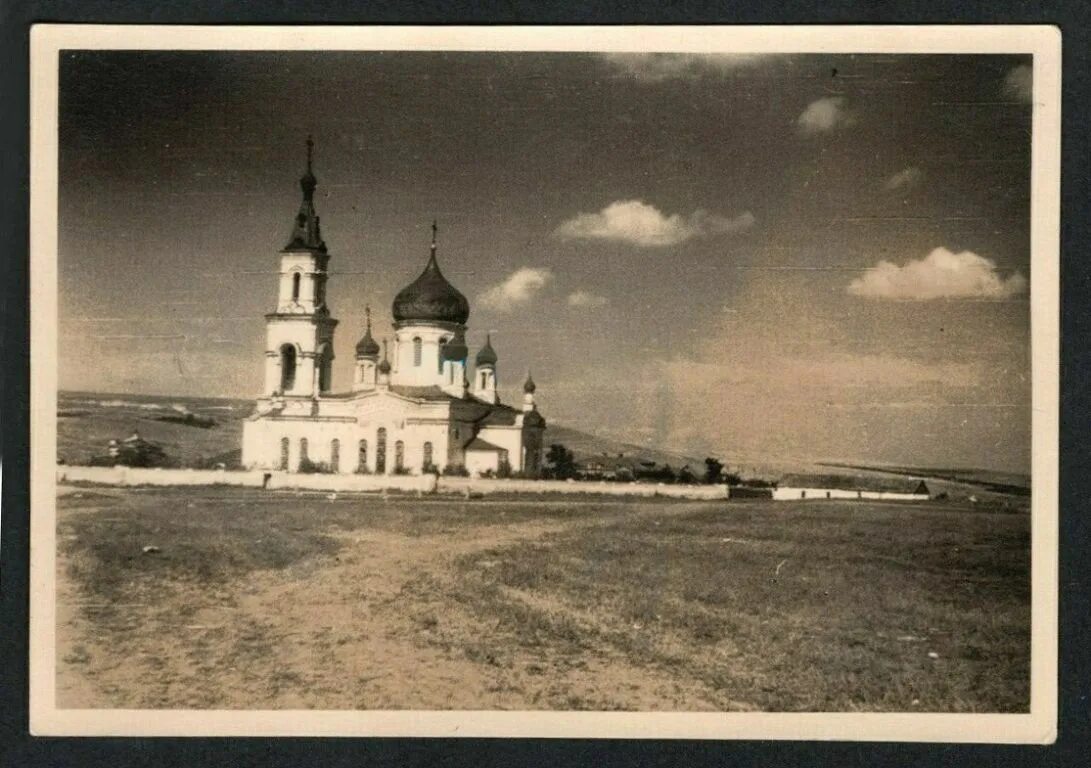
255 599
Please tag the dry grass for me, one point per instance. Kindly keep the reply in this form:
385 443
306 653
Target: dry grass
259 599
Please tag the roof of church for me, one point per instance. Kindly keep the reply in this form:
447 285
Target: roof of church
367 346
431 298
477 444
487 355
306 231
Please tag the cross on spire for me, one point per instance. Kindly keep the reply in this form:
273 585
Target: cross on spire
367 314
310 152
435 229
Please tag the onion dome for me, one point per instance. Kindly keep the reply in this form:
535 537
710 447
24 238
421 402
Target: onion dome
384 366
487 355
455 349
367 346
430 298
529 386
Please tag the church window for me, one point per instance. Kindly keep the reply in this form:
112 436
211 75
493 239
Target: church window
323 362
399 456
362 465
380 451
284 442
417 351
295 286
287 368
482 379
320 291
451 373
303 450
427 463
335 455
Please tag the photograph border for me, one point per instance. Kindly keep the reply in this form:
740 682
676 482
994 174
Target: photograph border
1039 726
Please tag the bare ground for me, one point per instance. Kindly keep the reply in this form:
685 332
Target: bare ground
258 600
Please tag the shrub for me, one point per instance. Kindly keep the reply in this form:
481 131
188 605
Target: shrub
400 471
456 470
308 467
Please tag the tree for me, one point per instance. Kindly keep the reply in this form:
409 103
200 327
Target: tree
714 470
562 461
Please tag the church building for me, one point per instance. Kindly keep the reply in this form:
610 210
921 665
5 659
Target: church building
411 408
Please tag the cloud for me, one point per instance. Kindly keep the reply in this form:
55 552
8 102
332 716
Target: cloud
1019 83
824 114
939 275
636 222
656 67
519 288
904 178
586 299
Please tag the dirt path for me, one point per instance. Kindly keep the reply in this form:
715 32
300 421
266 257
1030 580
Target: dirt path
368 629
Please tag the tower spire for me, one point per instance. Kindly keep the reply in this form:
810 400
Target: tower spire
306 232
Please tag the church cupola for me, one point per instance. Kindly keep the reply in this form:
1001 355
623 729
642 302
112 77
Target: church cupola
485 373
452 355
306 231
431 298
367 357
384 370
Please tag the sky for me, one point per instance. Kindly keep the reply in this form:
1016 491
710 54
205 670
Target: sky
764 258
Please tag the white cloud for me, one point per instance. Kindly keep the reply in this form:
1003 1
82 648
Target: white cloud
656 67
636 222
939 275
519 288
825 114
1019 83
904 178
586 299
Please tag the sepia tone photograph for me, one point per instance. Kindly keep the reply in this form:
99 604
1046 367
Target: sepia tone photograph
487 379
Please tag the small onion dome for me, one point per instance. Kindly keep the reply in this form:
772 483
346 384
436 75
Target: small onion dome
384 366
487 355
367 346
529 386
430 298
454 350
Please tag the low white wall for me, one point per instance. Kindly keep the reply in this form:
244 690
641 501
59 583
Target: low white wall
322 482
417 483
495 485
795 494
139 476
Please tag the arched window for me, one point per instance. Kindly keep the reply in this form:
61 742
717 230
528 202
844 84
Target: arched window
451 373
287 368
439 357
361 465
399 456
320 291
284 443
296 277
483 375
380 451
335 455
426 464
417 349
303 450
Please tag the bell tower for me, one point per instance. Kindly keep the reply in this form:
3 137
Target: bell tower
299 333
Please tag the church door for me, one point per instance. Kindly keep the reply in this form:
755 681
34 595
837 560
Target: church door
380 452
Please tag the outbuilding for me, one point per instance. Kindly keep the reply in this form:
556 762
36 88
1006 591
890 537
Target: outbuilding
797 487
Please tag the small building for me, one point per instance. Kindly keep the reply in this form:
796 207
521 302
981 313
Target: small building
796 487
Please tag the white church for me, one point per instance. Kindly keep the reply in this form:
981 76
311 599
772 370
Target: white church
411 409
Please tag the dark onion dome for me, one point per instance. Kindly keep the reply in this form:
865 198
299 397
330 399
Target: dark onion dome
430 298
487 355
306 229
529 386
384 366
455 349
367 346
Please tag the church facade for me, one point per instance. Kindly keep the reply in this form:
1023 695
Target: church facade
414 405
